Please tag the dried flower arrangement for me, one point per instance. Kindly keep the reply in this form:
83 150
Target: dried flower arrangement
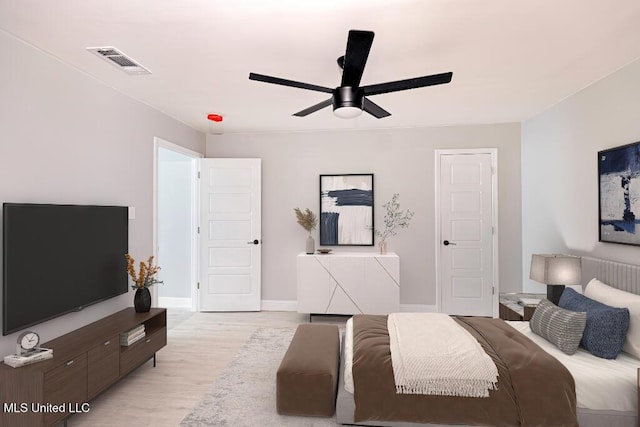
307 219
146 277
394 218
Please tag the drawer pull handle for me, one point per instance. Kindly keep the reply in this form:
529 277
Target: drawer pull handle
70 362
107 343
149 340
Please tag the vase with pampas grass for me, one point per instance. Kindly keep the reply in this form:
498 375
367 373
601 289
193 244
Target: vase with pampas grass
307 220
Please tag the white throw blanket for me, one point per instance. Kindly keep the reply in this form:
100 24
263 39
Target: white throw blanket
432 354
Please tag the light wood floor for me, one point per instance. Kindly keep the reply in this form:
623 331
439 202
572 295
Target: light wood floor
199 347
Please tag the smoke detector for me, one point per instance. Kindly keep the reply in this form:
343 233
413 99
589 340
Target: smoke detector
118 59
216 125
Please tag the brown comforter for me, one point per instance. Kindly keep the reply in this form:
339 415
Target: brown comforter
534 389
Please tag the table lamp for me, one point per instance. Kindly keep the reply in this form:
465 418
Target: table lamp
555 271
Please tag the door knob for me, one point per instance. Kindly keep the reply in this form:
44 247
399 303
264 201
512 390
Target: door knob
447 243
255 242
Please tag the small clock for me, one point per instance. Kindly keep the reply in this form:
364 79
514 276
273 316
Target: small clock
27 341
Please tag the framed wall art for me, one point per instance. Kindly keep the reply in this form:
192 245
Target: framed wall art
346 210
619 194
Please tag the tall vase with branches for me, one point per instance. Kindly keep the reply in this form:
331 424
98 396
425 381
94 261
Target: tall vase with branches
146 277
394 220
307 220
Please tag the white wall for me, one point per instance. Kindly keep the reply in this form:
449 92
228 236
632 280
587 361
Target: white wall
174 224
560 169
402 160
65 138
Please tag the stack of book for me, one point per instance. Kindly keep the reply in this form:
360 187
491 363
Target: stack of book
33 356
129 337
528 301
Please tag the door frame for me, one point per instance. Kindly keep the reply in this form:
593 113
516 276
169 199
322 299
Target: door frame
494 196
195 212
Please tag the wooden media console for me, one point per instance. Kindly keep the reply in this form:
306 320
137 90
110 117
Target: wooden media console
85 362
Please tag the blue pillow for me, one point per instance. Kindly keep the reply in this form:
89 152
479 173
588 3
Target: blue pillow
606 328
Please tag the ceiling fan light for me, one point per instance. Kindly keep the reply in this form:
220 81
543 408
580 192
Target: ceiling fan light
347 102
347 112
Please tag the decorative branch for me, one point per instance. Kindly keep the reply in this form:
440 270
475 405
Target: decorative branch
394 218
146 276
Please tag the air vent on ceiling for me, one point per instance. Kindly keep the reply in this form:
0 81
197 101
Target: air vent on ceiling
118 59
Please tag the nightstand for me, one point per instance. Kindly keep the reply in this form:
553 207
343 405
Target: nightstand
511 309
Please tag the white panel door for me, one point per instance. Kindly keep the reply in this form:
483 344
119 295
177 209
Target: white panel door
466 247
230 235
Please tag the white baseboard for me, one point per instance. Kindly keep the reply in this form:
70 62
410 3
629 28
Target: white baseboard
288 305
418 308
279 305
174 302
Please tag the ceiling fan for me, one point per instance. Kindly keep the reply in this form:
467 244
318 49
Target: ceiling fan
349 99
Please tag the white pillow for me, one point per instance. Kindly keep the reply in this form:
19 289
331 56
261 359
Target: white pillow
348 356
616 298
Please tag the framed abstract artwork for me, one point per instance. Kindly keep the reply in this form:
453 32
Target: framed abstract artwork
619 194
346 210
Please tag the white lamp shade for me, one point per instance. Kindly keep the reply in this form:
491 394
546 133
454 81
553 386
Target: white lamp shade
347 112
555 269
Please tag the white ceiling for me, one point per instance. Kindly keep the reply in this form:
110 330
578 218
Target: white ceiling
511 59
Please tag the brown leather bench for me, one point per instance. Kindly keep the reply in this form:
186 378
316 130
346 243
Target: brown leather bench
307 379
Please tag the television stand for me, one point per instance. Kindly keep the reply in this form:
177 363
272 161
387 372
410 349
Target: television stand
85 363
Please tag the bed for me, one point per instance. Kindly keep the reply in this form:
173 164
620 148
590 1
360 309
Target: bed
605 390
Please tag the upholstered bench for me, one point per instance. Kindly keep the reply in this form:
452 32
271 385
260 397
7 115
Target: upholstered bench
307 378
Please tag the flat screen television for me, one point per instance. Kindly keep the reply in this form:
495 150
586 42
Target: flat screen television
60 258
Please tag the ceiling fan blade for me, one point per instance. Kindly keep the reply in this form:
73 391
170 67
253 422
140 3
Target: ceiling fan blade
435 79
358 47
374 109
314 108
285 82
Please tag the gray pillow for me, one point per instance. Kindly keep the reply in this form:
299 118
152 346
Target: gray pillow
563 328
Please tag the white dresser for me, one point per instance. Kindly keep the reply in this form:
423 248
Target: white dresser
348 283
